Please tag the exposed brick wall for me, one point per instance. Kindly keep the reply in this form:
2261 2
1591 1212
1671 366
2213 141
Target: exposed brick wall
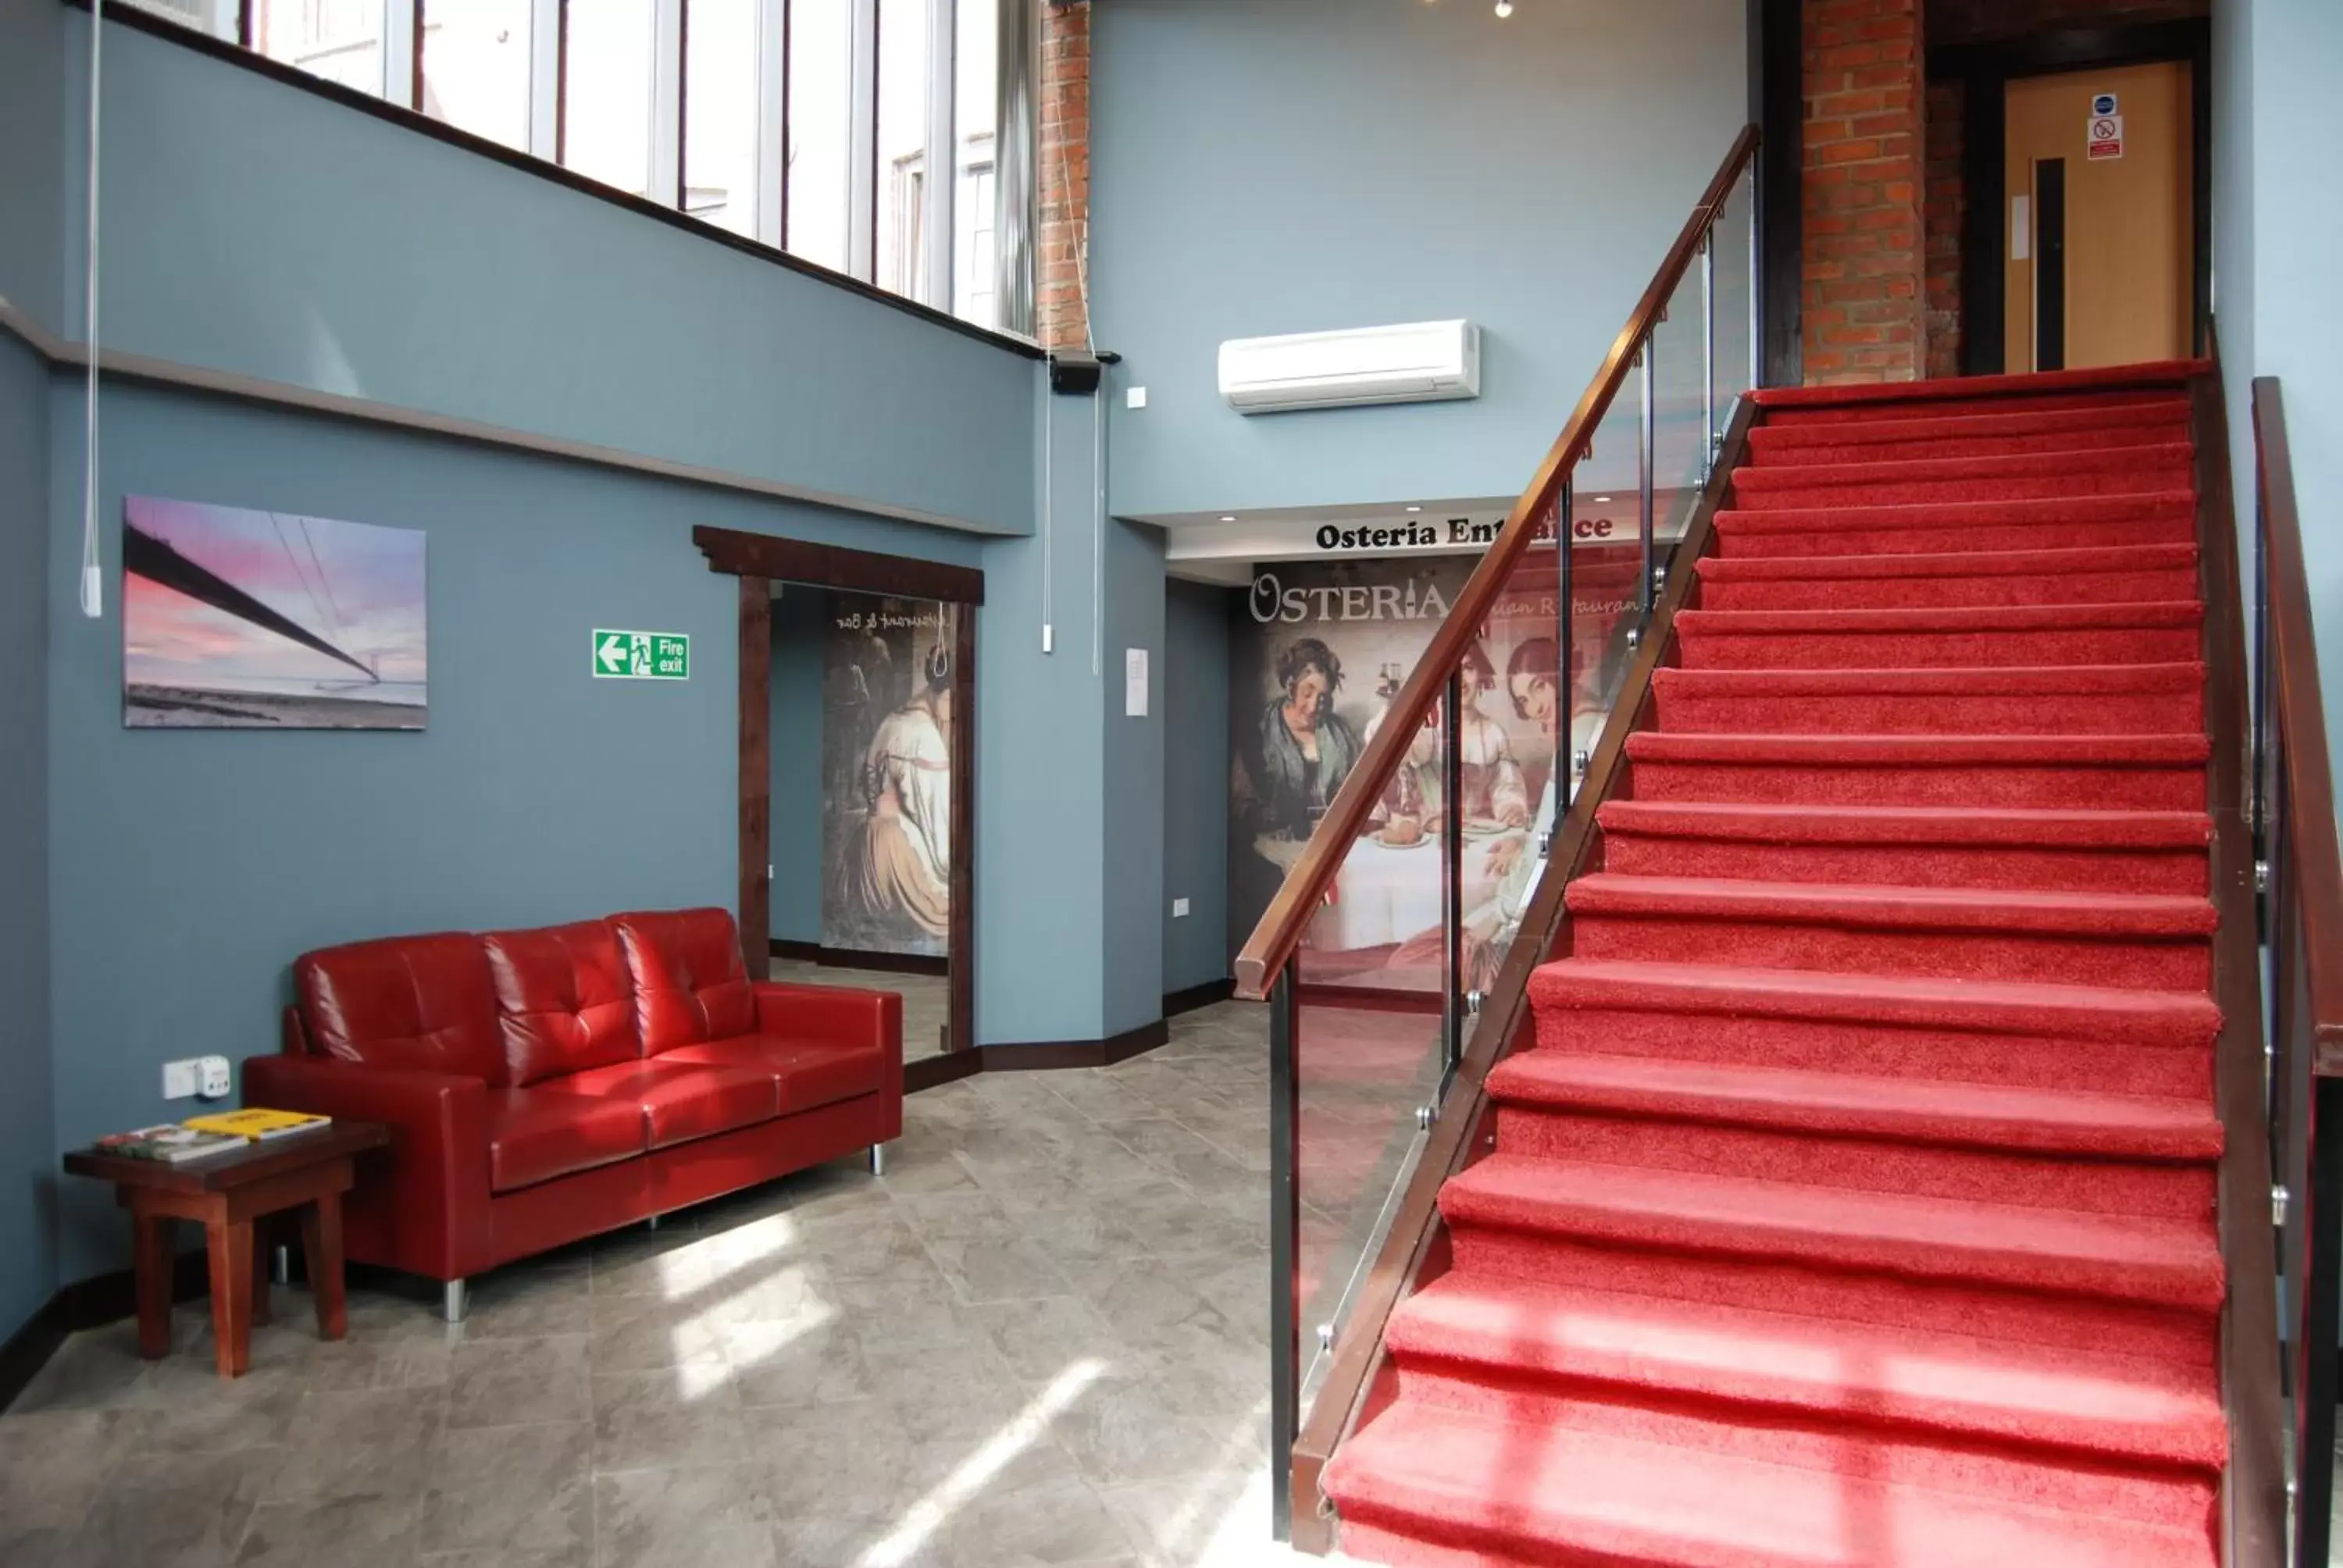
1944 207
1863 301
1065 175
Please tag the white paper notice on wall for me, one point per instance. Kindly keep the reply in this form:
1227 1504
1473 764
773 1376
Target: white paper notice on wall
2021 228
1134 683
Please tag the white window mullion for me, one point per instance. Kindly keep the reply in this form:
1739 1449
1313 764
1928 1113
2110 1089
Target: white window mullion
862 163
400 42
943 155
773 121
665 185
544 79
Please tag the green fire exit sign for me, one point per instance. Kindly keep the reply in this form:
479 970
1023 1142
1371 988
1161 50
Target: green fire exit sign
641 655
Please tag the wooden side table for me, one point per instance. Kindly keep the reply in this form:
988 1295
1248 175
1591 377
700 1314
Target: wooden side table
225 1194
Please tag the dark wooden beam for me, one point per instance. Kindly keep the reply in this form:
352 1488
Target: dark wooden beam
756 914
837 566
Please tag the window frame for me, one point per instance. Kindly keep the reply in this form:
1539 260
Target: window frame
403 62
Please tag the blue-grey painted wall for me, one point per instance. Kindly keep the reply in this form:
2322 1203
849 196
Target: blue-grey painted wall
1321 164
32 170
257 228
798 621
28 1146
2276 232
188 869
1195 782
1040 727
1132 897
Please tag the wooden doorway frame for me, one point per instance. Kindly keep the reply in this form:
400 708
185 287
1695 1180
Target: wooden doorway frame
1985 71
759 560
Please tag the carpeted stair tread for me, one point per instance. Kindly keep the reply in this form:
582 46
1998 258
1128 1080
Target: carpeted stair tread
1507 1335
1441 1488
2166 1018
1909 825
2174 680
2161 380
1886 750
2170 1263
1950 563
1952 527
1906 907
1980 619
1788 441
2120 463
1940 699
2016 576
1850 1105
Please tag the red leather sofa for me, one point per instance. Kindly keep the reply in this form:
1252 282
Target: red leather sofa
545 1085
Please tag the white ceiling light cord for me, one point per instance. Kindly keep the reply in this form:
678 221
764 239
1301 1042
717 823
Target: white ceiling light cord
93 577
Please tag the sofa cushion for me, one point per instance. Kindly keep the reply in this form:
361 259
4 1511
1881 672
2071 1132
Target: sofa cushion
811 1073
423 1003
690 985
567 999
679 1101
538 1134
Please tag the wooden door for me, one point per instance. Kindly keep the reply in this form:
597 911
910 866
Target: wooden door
2099 218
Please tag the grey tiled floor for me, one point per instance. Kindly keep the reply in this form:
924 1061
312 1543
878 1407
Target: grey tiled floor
927 999
1040 1339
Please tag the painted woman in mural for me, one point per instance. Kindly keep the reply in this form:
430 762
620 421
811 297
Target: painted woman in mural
1494 793
1306 748
902 870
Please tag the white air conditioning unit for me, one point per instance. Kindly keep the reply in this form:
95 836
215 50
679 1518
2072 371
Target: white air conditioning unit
1422 362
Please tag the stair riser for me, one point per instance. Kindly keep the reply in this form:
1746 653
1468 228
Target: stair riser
1930 1266
1996 649
1950 593
2142 404
2111 1186
2177 1454
2118 788
1887 713
2084 1060
2182 1337
1768 497
1928 448
2181 872
1904 540
2177 964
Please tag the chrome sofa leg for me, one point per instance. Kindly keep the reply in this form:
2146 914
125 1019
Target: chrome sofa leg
877 1160
452 1301
280 1266
651 1223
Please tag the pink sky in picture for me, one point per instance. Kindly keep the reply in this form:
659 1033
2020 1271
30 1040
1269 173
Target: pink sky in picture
357 585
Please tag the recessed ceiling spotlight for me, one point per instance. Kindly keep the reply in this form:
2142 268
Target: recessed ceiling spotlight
1229 518
1504 9
1416 508
1602 500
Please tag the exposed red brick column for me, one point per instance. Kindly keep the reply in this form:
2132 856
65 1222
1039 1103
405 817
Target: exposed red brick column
1065 175
1863 255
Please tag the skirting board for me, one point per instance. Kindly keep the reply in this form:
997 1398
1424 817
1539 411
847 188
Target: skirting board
87 1304
850 959
1040 1056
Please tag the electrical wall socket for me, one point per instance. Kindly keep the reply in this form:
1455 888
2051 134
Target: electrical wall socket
182 1079
1179 908
214 1071
1134 397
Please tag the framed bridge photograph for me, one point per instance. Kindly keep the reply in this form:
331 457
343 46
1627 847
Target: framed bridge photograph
240 619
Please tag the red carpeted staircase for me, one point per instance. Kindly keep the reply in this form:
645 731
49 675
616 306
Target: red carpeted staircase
1857 1206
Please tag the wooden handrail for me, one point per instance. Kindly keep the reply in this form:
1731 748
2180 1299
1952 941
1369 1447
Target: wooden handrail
1273 942
2316 875
2253 1502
